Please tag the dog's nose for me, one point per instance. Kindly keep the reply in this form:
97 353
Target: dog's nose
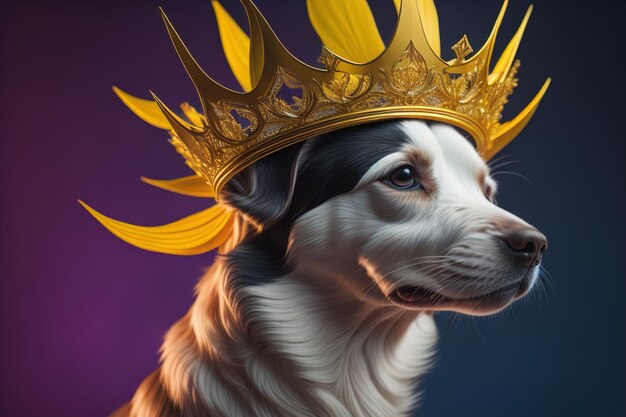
526 244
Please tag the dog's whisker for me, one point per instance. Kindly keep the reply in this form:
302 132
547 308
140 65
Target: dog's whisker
516 174
463 289
427 262
543 283
478 330
503 164
375 282
541 292
434 263
546 276
433 276
419 261
499 158
428 270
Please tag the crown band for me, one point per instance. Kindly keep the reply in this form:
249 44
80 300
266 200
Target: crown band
474 129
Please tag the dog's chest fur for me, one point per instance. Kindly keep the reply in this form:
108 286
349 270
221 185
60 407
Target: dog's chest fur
355 360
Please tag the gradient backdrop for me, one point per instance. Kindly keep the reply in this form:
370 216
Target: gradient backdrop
83 314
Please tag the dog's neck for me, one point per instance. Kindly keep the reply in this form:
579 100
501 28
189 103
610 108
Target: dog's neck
287 348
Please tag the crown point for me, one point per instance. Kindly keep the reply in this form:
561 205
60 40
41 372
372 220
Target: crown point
509 130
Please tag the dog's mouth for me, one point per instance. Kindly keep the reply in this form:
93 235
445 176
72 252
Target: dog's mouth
421 298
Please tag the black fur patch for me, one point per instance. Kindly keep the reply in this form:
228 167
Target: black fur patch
283 186
337 161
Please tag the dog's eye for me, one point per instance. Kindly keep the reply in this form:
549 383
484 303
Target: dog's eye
403 178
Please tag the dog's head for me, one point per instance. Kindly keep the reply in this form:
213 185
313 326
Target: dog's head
398 213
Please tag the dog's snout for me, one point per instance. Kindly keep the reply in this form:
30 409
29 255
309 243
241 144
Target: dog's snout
526 244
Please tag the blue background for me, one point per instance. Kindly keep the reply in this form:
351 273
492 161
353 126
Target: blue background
82 314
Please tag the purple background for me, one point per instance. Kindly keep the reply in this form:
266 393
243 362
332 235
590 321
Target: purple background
82 314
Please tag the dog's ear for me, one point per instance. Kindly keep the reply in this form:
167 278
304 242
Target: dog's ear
263 191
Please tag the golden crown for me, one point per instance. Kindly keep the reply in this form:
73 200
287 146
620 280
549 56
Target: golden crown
286 101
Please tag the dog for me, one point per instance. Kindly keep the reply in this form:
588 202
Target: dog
322 302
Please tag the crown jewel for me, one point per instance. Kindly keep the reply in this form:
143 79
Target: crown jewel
286 101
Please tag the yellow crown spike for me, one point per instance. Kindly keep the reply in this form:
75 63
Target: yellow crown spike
430 20
180 127
509 130
199 78
177 124
185 137
347 28
267 50
169 230
236 44
505 62
147 110
411 28
193 186
257 43
198 233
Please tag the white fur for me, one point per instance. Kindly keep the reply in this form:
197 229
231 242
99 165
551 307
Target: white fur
360 361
